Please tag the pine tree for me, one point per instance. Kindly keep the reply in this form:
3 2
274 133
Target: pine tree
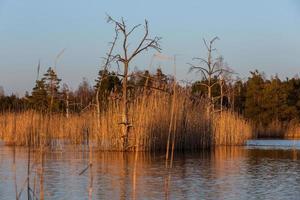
39 96
294 94
107 83
52 87
239 97
254 96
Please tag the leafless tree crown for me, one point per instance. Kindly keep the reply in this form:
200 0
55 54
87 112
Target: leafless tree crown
144 44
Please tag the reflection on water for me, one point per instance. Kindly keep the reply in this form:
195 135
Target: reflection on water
225 173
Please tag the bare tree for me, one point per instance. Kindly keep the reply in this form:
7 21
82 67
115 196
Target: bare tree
210 68
144 44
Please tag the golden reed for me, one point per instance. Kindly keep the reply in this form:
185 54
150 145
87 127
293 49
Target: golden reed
150 118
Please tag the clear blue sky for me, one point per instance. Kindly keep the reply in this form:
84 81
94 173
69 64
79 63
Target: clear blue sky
261 34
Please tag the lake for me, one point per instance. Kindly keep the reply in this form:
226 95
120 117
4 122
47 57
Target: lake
223 173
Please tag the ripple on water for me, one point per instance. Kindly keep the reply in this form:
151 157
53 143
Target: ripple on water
225 173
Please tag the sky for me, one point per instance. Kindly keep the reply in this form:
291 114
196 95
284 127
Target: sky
256 34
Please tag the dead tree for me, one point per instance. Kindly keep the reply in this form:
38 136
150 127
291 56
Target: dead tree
144 44
210 68
107 63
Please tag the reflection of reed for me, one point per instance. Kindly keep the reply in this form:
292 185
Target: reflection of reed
278 154
138 175
121 173
41 173
233 163
221 154
134 176
224 158
15 172
295 154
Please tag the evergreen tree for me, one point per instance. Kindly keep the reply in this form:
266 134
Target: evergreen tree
39 96
254 96
277 104
107 83
52 87
239 98
293 99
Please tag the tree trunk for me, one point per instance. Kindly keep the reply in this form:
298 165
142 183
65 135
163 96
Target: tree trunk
221 100
125 107
98 107
209 109
51 100
67 105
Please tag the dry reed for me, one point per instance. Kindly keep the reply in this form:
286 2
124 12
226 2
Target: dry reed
150 118
231 129
292 131
273 130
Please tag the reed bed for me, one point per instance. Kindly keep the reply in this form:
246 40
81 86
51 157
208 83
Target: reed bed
231 129
150 116
273 130
279 130
37 129
292 131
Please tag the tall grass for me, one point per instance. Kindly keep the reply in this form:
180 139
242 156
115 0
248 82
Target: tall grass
273 130
279 130
150 116
292 131
231 129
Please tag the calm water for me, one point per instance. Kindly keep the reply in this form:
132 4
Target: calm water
226 173
275 144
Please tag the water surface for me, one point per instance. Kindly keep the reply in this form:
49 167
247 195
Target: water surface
274 144
225 173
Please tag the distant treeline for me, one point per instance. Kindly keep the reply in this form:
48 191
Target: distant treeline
258 98
49 94
261 99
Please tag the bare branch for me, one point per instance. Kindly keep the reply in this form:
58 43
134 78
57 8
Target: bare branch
202 60
201 69
120 26
142 41
205 43
214 39
135 27
146 43
110 57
